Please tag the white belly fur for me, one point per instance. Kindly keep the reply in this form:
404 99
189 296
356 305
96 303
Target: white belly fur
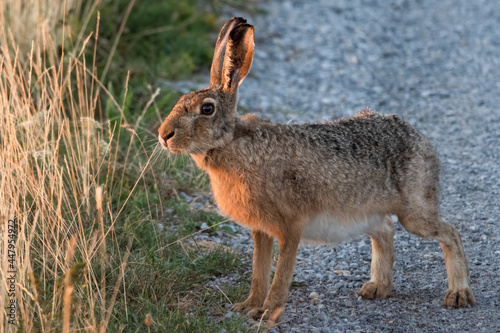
326 228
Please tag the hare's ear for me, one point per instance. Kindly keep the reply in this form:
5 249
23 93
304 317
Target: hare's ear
220 49
238 57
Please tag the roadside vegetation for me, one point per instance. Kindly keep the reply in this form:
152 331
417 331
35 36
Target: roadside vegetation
103 237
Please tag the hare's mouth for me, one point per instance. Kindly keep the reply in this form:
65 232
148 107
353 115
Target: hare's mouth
175 150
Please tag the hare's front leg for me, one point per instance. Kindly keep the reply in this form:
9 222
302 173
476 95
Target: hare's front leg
278 294
380 284
261 269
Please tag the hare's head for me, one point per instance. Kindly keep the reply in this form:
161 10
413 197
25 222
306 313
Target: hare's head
206 119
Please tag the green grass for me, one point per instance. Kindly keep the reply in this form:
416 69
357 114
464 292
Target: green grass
168 281
161 39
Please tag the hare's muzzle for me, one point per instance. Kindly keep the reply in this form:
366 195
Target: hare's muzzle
166 132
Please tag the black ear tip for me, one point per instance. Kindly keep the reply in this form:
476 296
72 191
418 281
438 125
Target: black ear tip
238 20
239 31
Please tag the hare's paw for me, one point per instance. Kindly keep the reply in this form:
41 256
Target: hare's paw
266 312
254 311
460 298
372 290
258 313
246 306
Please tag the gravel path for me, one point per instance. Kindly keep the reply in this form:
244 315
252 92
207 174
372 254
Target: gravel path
437 64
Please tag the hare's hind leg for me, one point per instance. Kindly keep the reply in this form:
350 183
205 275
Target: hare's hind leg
261 270
425 222
380 284
459 293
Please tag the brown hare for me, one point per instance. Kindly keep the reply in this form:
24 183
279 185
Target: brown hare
319 182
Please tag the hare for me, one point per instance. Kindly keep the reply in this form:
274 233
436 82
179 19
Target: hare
319 182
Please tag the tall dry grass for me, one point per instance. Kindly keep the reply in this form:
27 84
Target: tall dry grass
57 166
28 21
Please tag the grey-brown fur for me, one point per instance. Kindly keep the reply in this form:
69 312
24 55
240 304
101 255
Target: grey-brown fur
324 182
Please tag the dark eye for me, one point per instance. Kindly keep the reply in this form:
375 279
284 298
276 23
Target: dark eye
207 109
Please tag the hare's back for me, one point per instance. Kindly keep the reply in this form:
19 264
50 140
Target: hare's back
366 138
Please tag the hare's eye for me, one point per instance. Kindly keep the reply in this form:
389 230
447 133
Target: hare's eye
207 109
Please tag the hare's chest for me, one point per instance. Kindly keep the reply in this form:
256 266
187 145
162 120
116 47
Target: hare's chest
233 198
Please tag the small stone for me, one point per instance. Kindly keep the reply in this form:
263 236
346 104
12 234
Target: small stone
473 228
186 197
342 271
339 285
323 317
314 297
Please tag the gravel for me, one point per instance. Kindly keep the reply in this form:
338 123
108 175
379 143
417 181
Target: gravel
435 63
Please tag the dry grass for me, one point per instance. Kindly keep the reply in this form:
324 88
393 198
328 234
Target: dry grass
57 167
88 253
28 21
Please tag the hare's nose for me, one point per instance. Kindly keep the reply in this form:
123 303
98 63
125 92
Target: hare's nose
167 136
163 138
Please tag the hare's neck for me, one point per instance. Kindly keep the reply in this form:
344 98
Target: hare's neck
201 160
209 160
